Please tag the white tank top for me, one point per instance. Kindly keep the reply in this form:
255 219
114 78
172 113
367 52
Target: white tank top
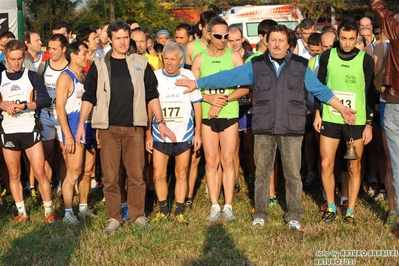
20 90
50 77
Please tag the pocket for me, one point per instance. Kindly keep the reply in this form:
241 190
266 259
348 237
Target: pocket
261 90
262 119
295 80
297 118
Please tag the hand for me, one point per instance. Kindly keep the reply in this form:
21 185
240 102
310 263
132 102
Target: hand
186 82
317 122
349 116
149 144
165 131
367 134
213 111
197 142
98 140
80 136
13 108
219 100
69 145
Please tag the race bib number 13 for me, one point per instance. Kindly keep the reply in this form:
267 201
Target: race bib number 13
346 98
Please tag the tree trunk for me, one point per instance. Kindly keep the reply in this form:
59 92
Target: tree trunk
112 10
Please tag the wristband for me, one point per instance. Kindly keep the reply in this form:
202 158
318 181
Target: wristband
161 122
25 105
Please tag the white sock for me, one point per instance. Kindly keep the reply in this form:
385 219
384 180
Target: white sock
21 207
82 207
228 206
342 199
68 211
48 206
216 206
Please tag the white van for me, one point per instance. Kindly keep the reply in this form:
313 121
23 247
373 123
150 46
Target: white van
248 17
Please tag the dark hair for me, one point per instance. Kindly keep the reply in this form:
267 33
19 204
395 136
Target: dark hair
206 17
7 34
84 34
216 21
14 45
117 25
26 37
376 25
348 24
132 46
307 23
185 26
61 24
130 21
280 28
314 39
106 23
292 39
158 47
59 37
265 25
196 30
74 48
247 45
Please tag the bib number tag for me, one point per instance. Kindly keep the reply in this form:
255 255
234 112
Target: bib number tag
172 112
346 98
216 91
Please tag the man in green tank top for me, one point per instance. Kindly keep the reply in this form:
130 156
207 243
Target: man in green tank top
348 72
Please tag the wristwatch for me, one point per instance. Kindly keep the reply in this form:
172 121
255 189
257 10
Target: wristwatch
161 122
25 105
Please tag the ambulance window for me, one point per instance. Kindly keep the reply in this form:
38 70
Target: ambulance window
252 29
289 24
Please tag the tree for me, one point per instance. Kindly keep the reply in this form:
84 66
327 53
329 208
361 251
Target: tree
41 14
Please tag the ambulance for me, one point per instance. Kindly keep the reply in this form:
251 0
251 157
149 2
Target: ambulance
248 17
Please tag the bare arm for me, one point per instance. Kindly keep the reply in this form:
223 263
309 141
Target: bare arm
85 110
198 124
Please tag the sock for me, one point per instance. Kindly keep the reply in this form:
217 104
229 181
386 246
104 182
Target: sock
179 208
82 207
189 199
216 206
48 207
68 211
351 211
342 199
21 207
124 205
31 187
228 206
392 211
163 206
332 206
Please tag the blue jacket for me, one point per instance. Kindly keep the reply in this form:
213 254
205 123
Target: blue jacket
278 92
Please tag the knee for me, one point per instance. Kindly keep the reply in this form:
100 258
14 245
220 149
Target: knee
327 165
159 176
181 174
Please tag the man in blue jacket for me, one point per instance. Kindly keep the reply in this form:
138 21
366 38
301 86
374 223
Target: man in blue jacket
279 116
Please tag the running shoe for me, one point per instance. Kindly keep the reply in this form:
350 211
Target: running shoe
214 215
258 222
308 181
328 216
21 217
86 213
228 215
273 201
159 217
181 219
32 192
112 226
392 221
188 204
142 222
294 225
382 195
50 218
349 218
70 218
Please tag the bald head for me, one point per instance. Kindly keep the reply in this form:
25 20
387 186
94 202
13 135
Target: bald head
327 40
365 22
367 34
141 41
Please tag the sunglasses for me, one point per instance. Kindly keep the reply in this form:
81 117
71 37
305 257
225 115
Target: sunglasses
138 28
220 36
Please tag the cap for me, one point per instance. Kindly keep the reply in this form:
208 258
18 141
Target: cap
163 32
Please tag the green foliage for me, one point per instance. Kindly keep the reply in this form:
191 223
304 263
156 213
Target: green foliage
41 14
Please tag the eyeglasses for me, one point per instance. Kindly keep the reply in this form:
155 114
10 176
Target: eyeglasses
138 28
220 36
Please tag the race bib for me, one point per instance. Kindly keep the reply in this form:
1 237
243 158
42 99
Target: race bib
16 98
172 112
216 91
346 98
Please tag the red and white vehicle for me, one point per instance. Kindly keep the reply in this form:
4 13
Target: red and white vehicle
248 17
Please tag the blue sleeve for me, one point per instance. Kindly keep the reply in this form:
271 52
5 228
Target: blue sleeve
315 87
241 75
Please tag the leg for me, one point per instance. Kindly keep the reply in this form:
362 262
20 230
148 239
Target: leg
84 184
193 172
160 167
210 143
228 141
110 160
181 166
133 160
265 154
290 152
354 171
48 147
74 164
13 162
36 158
328 148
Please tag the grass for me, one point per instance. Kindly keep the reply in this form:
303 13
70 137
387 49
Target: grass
168 243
